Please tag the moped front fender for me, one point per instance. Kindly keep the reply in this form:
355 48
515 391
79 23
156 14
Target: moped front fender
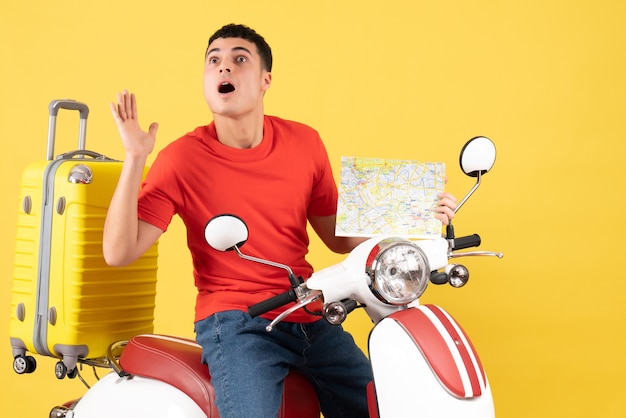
425 365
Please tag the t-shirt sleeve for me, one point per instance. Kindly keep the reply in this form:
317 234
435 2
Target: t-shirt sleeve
324 193
157 204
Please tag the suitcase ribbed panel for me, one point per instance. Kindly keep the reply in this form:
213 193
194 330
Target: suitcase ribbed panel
25 278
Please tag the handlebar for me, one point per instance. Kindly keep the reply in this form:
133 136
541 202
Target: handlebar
272 303
466 242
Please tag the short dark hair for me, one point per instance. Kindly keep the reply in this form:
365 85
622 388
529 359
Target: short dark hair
244 32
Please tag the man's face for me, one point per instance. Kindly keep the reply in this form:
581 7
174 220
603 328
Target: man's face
234 78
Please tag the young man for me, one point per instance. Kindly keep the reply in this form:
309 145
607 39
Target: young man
275 175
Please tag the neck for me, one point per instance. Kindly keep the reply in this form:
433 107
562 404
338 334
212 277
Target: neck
245 132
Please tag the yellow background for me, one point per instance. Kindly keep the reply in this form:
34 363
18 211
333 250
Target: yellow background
394 79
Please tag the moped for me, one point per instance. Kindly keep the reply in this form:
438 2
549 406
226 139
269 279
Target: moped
423 362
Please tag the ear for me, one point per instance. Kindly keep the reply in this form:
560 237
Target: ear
267 80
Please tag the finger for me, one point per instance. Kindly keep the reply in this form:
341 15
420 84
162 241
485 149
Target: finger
133 106
126 107
152 130
447 203
444 219
448 200
115 113
444 214
121 110
446 211
444 195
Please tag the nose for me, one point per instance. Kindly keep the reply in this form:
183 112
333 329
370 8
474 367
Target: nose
224 68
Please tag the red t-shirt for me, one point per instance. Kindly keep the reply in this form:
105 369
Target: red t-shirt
273 187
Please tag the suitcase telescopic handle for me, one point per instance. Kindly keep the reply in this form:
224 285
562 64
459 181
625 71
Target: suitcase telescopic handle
53 108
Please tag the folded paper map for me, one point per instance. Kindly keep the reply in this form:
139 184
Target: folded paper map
381 196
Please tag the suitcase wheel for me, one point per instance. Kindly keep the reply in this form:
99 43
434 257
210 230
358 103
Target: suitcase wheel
73 373
60 371
24 364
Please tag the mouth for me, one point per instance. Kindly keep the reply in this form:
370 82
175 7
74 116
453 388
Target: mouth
225 87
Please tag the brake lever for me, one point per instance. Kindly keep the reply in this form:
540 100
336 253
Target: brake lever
311 297
476 253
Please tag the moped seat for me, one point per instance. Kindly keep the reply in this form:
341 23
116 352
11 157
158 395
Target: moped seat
177 361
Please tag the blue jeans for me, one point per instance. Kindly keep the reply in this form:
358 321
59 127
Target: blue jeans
248 364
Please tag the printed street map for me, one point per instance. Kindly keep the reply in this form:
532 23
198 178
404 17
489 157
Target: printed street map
398 197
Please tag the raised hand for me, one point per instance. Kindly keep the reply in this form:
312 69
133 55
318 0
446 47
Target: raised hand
137 142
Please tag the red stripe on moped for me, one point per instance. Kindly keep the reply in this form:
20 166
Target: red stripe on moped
467 352
445 347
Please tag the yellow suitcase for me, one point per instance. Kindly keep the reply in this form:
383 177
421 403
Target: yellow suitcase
66 301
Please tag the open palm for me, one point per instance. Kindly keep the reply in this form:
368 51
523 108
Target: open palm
137 142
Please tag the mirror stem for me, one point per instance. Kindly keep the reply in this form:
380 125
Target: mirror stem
261 261
471 192
450 227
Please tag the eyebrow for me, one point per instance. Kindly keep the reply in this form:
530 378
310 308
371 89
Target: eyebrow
236 48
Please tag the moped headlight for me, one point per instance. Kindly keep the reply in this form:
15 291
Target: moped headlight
399 271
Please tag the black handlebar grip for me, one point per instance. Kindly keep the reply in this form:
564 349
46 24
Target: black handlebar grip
272 303
467 242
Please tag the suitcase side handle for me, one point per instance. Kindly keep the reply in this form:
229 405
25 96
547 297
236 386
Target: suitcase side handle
53 109
82 153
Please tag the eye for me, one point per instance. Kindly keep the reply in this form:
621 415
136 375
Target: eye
212 60
241 58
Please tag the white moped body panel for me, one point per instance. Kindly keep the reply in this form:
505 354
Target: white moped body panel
413 383
124 397
349 279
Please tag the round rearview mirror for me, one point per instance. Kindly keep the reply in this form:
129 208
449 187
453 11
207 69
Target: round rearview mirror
478 156
224 232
